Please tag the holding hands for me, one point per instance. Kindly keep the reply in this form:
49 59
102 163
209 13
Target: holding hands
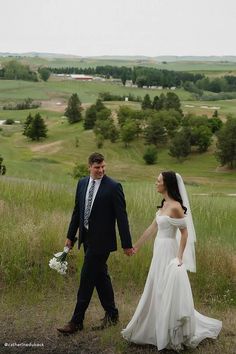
130 251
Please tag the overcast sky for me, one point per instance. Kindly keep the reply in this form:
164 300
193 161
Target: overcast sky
119 27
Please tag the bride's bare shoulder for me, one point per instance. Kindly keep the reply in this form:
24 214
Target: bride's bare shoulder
177 210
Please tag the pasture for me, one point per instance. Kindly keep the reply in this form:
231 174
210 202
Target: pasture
36 200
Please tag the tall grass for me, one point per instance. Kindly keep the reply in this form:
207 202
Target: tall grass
34 217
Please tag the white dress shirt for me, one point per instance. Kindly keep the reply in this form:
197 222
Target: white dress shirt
97 185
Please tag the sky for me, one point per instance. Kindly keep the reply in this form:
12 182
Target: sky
121 27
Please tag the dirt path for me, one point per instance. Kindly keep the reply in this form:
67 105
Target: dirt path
29 326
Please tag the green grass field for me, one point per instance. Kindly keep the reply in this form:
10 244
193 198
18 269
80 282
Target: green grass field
36 200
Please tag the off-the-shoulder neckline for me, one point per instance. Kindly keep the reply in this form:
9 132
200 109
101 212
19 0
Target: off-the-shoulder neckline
171 217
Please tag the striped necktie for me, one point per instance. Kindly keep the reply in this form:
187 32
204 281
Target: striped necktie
89 203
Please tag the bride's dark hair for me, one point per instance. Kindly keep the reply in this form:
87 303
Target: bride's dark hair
171 184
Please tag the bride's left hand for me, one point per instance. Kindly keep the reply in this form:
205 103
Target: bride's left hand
180 262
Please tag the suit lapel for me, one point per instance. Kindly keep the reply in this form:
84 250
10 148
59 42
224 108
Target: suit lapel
99 192
83 195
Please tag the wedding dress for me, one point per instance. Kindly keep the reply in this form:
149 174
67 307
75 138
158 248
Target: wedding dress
165 315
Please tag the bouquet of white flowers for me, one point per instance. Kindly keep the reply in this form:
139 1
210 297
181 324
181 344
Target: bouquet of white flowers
58 261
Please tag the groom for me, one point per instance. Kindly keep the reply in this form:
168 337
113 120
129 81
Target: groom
99 204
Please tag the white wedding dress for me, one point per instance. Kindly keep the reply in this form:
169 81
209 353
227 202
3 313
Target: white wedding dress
165 315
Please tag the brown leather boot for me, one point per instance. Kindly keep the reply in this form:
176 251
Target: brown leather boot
71 328
106 322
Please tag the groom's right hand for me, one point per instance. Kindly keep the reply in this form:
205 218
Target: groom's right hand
69 243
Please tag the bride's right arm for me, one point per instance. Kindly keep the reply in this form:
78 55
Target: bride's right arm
147 233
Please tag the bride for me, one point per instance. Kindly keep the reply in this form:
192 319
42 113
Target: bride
165 315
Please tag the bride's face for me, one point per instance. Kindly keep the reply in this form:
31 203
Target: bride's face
160 184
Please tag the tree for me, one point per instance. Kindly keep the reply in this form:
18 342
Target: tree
73 109
155 103
171 120
99 105
90 117
128 132
147 103
155 132
150 155
2 167
180 146
226 144
104 114
124 76
215 114
44 73
27 124
36 129
201 137
215 124
173 101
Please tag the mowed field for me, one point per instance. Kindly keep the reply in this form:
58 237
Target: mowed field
36 200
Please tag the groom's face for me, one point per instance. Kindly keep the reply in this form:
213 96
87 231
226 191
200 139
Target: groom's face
97 170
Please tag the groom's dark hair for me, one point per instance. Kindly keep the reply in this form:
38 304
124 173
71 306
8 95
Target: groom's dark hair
171 184
95 157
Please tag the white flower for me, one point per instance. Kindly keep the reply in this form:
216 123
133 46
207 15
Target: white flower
58 261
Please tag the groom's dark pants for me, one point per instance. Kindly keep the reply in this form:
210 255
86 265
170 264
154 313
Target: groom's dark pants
94 274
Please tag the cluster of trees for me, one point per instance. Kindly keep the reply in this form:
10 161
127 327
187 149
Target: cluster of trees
99 118
141 76
168 101
107 96
216 85
14 70
26 104
160 126
35 127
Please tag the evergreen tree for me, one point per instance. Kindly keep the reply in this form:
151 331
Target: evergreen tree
90 117
162 101
155 132
73 109
36 129
99 105
147 103
155 103
173 101
27 124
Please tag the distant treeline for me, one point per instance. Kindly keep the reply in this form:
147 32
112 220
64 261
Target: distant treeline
145 76
141 76
14 70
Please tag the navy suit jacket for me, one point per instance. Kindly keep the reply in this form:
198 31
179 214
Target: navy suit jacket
108 208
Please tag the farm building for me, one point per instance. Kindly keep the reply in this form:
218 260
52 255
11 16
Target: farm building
81 77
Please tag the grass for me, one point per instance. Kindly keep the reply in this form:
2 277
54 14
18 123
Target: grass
34 218
36 200
88 92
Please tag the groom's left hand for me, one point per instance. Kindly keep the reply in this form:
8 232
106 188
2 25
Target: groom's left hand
129 251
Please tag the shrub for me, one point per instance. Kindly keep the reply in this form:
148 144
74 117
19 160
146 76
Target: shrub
150 155
80 170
